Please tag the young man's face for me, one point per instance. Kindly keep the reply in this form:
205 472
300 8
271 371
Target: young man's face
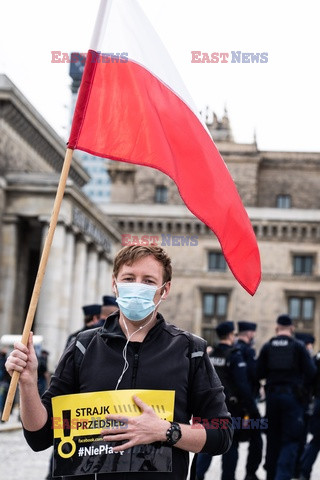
146 270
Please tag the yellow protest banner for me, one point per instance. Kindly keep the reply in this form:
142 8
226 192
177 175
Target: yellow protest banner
77 423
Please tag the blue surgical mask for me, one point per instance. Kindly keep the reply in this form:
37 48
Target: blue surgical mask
135 300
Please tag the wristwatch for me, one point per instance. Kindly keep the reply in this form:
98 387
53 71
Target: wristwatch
173 434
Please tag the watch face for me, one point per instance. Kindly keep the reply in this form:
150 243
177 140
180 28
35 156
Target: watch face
175 435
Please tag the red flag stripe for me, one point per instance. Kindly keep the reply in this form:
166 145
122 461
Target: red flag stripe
125 113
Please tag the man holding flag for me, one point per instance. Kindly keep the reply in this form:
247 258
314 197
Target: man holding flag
136 349
139 111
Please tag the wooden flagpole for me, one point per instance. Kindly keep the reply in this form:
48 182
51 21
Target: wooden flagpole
39 278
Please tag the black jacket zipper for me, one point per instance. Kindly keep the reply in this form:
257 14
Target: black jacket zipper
134 369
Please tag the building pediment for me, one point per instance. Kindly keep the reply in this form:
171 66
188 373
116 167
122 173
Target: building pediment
27 142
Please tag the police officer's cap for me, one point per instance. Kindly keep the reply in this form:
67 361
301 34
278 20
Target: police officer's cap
109 300
224 328
305 337
247 326
94 309
284 320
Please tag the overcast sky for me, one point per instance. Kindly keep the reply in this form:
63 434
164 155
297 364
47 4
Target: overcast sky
279 99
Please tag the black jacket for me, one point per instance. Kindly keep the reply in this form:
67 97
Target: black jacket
249 356
285 361
162 363
234 378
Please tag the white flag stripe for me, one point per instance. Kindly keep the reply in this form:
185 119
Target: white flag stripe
122 26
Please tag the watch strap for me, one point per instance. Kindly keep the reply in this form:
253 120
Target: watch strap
173 433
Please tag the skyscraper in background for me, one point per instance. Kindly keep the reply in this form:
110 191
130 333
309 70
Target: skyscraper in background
98 189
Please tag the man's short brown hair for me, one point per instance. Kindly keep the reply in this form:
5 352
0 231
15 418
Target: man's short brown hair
131 253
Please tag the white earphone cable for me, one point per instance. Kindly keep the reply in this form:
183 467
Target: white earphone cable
124 351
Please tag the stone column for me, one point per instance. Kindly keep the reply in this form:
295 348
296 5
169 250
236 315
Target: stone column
78 284
48 317
104 278
3 185
66 293
90 294
8 269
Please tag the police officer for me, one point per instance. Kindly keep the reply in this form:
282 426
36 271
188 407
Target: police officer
285 364
308 340
109 306
246 334
92 319
231 367
313 447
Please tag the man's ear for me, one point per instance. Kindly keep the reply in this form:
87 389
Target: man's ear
114 286
166 290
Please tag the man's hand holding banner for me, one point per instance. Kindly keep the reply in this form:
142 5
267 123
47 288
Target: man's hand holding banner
85 426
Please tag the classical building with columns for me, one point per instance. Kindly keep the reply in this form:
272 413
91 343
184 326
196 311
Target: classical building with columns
280 191
79 266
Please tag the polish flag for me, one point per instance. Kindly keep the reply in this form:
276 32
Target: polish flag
135 108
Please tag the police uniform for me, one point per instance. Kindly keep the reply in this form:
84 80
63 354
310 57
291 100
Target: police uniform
285 364
109 305
306 339
231 368
249 355
255 439
313 447
109 300
89 311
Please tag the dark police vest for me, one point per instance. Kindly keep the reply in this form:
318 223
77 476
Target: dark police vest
283 365
281 354
220 359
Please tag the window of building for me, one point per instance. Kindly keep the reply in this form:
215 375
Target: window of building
215 305
209 334
214 311
161 194
302 264
216 262
283 201
301 309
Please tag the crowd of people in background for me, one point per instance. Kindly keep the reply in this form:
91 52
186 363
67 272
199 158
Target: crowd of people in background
95 314
286 374
160 357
